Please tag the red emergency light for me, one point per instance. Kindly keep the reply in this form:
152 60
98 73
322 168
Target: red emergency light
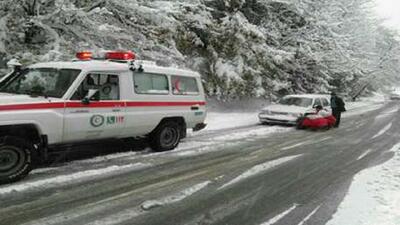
84 55
120 55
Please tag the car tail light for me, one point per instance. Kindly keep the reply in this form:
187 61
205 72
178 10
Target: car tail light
120 55
84 55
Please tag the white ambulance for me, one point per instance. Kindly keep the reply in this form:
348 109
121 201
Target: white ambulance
90 99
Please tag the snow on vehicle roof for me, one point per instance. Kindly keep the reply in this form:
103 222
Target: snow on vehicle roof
97 65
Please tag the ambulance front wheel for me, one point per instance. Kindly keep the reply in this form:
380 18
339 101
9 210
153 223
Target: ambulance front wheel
15 159
166 137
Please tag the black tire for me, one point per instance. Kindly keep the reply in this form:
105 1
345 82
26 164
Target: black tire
166 136
16 159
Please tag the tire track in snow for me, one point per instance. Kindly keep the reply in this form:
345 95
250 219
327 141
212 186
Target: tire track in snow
260 169
277 218
303 222
364 154
147 205
294 146
129 214
384 130
70 178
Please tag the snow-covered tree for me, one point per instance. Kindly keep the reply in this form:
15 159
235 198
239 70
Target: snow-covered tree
243 48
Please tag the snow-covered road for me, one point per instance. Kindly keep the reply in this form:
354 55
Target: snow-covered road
234 172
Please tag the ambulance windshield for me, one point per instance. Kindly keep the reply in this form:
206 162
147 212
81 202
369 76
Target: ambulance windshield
48 82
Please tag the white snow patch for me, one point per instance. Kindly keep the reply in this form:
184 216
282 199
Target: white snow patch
120 155
373 197
175 197
294 146
219 121
364 154
43 170
384 130
62 179
118 218
364 105
387 113
280 216
252 133
260 169
303 222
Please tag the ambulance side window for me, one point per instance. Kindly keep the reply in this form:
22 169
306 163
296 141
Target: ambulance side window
146 83
106 84
184 85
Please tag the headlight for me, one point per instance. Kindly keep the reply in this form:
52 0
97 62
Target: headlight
296 114
266 112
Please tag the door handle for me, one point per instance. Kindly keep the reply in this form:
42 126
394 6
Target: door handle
116 110
194 108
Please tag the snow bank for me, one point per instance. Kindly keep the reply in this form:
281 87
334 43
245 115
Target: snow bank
260 169
374 197
364 105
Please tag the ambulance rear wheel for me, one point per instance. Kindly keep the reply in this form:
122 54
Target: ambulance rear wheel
15 159
166 136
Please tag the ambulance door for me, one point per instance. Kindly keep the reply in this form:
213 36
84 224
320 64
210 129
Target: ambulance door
101 116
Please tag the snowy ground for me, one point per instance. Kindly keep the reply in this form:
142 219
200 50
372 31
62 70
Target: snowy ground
364 105
374 197
223 130
226 168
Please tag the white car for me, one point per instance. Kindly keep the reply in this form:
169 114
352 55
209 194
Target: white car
291 107
58 103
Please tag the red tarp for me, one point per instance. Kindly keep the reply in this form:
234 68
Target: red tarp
319 123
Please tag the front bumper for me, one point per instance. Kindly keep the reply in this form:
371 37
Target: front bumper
277 119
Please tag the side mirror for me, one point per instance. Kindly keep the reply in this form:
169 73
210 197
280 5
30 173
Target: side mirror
15 65
91 93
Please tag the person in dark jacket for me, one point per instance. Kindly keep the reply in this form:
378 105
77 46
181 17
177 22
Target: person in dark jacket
337 106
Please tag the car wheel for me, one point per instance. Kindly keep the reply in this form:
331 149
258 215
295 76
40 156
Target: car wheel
15 159
166 136
299 124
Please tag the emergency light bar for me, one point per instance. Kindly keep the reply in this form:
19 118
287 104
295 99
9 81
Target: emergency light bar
116 55
120 55
84 55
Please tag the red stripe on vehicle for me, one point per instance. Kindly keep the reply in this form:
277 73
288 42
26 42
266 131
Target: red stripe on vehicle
60 105
55 105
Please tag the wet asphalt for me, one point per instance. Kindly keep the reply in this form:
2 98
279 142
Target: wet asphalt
316 180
